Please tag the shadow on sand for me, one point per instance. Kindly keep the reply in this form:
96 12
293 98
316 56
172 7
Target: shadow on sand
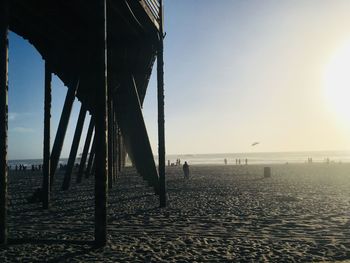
85 246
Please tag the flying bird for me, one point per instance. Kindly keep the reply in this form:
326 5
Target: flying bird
255 143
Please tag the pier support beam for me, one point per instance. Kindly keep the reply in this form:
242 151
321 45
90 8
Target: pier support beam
101 128
61 130
85 151
119 146
160 93
123 153
115 145
93 167
91 158
74 149
110 141
4 26
46 153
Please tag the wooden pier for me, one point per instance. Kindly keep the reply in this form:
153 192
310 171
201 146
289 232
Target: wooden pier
103 51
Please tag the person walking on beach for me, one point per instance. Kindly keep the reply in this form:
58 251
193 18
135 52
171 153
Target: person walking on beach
186 169
225 161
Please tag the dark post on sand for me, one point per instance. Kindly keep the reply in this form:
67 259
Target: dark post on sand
110 138
47 117
4 25
85 150
74 148
88 170
61 130
267 172
101 128
161 132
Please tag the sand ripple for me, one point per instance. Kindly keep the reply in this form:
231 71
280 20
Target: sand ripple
222 214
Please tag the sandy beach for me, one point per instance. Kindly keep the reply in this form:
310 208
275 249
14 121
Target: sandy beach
222 214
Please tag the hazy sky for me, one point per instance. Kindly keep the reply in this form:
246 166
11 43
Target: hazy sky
235 72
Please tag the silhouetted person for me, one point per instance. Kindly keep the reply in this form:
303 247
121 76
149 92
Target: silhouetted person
225 161
246 161
239 161
186 169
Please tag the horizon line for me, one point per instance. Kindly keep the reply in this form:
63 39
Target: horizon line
292 151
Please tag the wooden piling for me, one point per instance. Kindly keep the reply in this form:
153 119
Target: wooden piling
46 150
61 130
85 151
110 139
115 145
123 152
93 166
4 26
101 130
74 149
161 129
119 145
115 137
91 158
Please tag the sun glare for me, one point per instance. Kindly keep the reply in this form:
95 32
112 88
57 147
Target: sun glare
337 83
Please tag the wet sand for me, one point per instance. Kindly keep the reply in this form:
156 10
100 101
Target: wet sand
222 214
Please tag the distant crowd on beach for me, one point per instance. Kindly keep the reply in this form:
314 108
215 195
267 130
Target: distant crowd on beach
22 167
177 163
325 160
238 161
35 167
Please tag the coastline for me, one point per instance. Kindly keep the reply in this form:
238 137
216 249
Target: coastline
268 158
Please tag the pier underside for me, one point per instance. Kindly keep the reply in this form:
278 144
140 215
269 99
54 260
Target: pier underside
104 52
65 34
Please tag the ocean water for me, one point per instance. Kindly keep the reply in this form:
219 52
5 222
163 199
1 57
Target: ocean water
253 158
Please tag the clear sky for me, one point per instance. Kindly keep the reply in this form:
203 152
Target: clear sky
236 72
